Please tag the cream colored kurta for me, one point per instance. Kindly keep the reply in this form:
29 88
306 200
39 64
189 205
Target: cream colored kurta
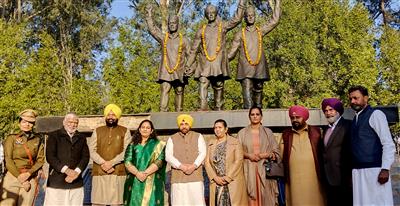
304 188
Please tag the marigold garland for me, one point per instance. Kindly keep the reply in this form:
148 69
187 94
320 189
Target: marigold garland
203 38
178 59
259 47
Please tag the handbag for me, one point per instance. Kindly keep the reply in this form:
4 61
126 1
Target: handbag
273 169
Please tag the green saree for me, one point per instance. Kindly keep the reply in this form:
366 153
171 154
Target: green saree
151 191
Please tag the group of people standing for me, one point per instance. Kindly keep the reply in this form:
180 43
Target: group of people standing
345 163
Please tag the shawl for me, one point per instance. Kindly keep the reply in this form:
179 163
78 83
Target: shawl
267 144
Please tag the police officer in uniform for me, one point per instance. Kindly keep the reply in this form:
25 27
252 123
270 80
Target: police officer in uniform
24 156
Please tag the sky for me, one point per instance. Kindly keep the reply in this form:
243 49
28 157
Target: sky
120 8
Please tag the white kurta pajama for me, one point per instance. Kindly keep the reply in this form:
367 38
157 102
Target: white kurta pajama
71 197
366 188
191 193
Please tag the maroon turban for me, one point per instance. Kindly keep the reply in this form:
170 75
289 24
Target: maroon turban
334 103
299 111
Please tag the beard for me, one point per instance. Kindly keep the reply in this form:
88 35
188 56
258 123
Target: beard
298 125
333 119
184 131
356 107
111 122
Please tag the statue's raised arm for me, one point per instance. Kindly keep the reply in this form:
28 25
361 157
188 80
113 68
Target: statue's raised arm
154 31
237 18
273 22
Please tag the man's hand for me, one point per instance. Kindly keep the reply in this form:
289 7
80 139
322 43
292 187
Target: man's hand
23 177
71 175
220 180
183 167
190 169
110 170
107 165
383 176
69 179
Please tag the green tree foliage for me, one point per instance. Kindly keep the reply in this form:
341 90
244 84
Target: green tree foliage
130 71
389 67
79 29
12 57
29 80
48 57
318 50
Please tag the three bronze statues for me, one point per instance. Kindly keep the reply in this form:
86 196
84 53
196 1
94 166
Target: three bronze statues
178 61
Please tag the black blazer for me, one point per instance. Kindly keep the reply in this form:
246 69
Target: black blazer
61 151
337 155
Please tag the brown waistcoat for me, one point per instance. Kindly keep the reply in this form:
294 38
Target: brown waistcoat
186 151
110 143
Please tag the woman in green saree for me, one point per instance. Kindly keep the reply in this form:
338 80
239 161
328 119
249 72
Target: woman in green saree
145 162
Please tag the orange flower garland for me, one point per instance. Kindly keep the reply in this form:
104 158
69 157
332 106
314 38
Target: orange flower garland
178 60
259 47
203 38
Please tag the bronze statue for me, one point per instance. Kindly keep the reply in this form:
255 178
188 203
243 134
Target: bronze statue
213 60
252 70
174 49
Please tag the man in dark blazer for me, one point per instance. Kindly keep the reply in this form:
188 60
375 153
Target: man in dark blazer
336 154
68 155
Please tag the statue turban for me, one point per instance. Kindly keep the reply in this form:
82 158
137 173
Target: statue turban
114 108
334 103
299 111
184 118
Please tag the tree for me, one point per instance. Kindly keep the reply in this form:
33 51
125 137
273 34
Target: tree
130 70
318 50
48 56
79 29
389 66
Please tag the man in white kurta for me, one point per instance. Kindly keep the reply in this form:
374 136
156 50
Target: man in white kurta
185 152
372 152
107 150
